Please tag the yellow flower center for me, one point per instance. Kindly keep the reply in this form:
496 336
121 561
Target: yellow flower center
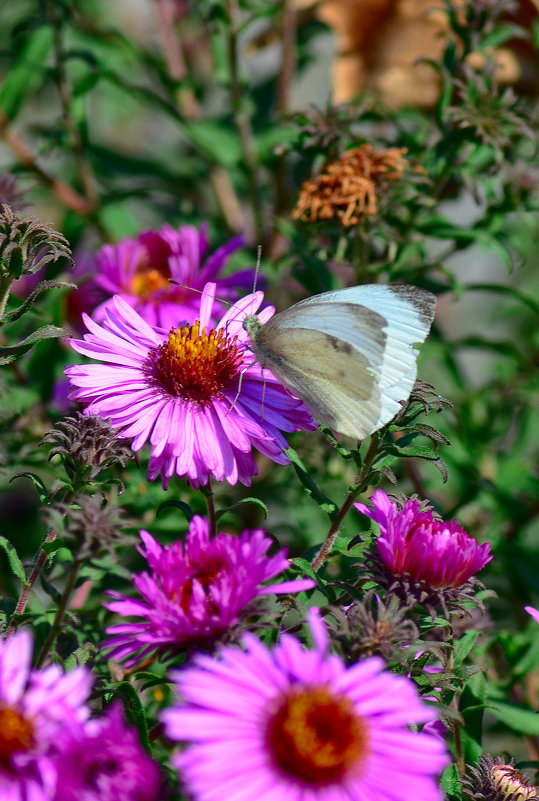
16 733
316 736
196 365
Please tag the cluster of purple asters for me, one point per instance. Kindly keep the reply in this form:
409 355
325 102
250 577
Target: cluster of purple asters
195 593
50 747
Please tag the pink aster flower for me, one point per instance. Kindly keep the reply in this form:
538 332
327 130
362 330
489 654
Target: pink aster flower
106 762
533 612
195 394
299 725
139 270
39 710
435 557
195 592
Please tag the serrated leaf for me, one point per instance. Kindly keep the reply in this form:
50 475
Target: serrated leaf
450 783
42 287
45 332
15 563
306 568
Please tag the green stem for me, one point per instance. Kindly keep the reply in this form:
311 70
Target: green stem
60 612
358 486
210 503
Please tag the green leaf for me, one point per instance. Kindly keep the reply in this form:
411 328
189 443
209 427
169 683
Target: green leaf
472 707
523 721
253 500
306 568
217 141
502 289
33 296
38 484
134 711
45 332
183 507
464 646
322 500
26 73
450 783
13 559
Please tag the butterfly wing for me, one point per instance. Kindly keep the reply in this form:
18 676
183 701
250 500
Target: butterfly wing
348 354
333 379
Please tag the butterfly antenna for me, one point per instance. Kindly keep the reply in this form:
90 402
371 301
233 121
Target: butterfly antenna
257 268
199 291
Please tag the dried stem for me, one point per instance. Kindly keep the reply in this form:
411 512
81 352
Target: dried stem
65 193
64 90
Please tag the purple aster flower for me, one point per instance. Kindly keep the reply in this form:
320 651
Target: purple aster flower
299 725
195 593
196 394
139 270
432 559
39 710
533 612
106 762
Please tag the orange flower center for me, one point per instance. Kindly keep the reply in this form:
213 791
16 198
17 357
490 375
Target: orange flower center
149 279
196 365
16 733
316 736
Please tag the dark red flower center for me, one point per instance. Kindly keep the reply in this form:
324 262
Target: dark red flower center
205 575
16 733
196 365
316 736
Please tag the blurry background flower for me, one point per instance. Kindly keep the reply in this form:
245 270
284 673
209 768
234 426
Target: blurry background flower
380 43
195 593
106 762
139 270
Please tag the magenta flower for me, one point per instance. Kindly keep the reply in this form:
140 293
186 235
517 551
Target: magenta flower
416 544
106 762
39 711
197 592
299 725
533 612
195 394
139 270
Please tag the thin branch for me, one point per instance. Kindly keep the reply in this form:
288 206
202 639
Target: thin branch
68 196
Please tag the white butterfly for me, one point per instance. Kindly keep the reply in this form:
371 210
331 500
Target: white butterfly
347 354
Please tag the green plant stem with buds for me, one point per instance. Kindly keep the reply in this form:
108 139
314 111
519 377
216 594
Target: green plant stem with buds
359 485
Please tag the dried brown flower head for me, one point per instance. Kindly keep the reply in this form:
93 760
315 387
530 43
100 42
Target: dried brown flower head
348 188
89 524
87 445
26 244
